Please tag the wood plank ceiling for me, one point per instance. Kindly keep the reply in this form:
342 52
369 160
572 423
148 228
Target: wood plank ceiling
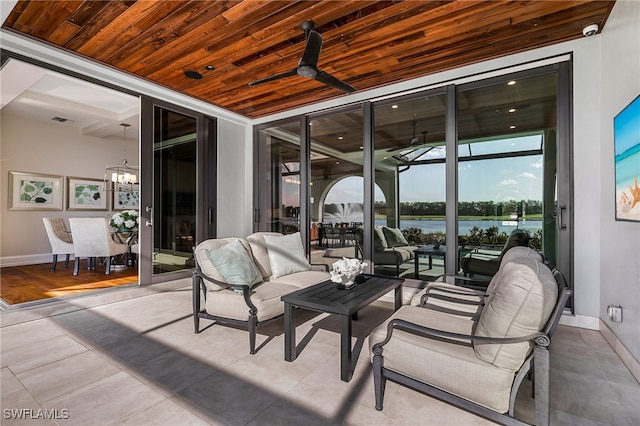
368 44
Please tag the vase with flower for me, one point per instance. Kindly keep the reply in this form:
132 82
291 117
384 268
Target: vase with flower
125 221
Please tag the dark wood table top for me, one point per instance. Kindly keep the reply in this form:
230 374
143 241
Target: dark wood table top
326 297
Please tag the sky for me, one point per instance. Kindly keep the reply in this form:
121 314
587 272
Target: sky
515 178
627 127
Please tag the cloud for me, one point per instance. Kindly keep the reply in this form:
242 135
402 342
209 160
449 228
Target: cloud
509 182
537 164
527 175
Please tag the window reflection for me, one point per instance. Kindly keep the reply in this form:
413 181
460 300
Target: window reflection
337 185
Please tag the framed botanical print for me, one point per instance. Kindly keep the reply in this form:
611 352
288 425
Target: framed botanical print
126 196
86 194
35 191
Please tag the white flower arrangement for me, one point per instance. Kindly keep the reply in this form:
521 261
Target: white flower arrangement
345 271
125 221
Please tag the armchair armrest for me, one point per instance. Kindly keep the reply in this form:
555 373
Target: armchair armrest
435 291
322 266
240 288
540 339
466 282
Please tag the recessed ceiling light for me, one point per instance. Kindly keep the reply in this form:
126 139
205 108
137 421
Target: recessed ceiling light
394 106
340 138
512 110
511 83
361 147
512 127
194 75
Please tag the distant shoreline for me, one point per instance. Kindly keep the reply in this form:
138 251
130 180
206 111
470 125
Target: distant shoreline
483 218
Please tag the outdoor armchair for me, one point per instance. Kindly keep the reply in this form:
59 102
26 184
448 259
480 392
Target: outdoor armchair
477 364
487 262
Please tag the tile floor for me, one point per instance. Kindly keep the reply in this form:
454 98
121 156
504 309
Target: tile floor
136 361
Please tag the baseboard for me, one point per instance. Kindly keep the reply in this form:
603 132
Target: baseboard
627 358
29 259
580 321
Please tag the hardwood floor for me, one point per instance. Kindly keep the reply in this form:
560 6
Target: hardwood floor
19 284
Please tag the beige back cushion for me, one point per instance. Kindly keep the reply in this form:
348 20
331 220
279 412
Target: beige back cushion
205 264
260 251
512 253
521 305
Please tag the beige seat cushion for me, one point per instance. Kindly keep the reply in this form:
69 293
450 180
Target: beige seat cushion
452 367
302 279
205 264
265 296
520 306
408 252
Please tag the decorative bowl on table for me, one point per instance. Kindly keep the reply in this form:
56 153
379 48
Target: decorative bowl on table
345 271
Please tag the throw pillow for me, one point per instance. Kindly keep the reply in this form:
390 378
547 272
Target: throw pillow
286 254
234 264
394 237
379 240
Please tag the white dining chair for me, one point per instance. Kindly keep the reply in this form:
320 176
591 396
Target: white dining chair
92 239
59 238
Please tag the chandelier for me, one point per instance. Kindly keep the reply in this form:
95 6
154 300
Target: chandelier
122 176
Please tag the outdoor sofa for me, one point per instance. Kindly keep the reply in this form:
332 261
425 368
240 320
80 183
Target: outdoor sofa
241 280
390 247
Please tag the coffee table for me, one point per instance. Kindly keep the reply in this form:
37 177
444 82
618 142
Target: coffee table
428 250
326 297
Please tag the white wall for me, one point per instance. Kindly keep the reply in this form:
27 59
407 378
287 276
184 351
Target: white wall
619 242
234 153
51 148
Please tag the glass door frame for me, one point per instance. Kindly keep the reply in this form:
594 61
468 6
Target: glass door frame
206 184
564 162
564 165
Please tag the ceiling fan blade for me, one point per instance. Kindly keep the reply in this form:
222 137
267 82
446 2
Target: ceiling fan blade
274 77
330 80
312 49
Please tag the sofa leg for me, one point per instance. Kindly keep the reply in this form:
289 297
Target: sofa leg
253 329
66 262
378 381
76 265
195 287
54 262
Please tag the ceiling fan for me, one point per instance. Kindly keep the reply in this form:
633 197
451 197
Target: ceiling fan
414 142
308 64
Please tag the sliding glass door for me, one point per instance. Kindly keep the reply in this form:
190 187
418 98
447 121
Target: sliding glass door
455 169
176 212
508 167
